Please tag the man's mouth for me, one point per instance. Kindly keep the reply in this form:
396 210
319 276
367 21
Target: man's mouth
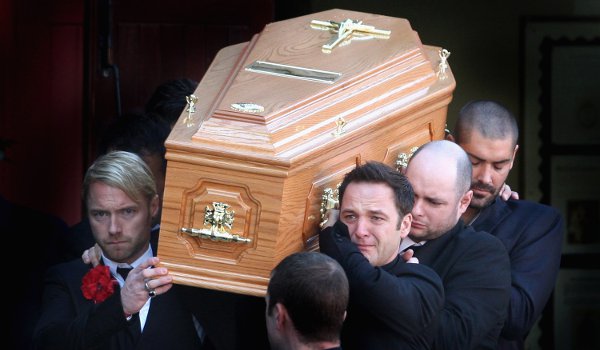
417 225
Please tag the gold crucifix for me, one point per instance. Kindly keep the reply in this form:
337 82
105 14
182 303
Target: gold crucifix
347 30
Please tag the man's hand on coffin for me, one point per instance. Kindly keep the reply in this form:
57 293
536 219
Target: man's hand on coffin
92 255
332 217
143 283
506 193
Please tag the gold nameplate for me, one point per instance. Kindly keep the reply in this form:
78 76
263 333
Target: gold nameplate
247 107
284 70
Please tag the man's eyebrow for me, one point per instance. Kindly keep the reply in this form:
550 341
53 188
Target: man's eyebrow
482 160
435 199
474 156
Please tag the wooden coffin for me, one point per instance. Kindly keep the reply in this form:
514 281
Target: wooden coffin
277 123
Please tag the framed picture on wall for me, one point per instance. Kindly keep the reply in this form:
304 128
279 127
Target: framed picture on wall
570 137
561 147
572 67
559 58
576 194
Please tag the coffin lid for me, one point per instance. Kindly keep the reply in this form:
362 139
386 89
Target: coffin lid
378 77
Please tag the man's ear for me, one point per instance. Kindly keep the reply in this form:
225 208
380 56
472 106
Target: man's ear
404 225
514 156
154 204
465 201
450 137
281 315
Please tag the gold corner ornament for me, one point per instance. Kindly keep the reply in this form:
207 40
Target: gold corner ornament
346 31
443 66
220 219
329 200
191 109
340 123
403 158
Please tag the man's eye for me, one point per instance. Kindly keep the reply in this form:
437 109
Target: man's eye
129 211
99 214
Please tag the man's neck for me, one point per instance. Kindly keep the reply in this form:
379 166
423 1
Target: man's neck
470 215
320 345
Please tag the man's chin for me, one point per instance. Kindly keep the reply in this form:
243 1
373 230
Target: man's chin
116 255
482 202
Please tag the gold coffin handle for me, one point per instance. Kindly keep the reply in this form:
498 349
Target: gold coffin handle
329 200
403 158
215 235
219 218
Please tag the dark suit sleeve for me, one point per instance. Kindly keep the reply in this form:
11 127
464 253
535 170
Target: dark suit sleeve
407 301
70 322
532 279
477 294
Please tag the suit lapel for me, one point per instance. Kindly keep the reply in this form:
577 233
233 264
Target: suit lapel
492 216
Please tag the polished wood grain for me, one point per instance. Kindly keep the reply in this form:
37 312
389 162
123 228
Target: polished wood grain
272 167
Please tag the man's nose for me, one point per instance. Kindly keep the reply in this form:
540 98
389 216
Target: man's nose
362 228
115 225
417 209
484 174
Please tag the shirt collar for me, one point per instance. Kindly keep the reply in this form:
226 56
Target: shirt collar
408 242
113 265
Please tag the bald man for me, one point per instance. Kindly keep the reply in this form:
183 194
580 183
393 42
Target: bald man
473 266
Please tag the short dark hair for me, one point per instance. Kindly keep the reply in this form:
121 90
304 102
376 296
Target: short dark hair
137 133
168 99
489 118
377 172
314 289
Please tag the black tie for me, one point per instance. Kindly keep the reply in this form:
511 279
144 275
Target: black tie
134 324
124 271
415 248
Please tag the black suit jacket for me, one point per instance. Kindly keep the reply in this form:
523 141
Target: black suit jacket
532 234
395 306
69 321
475 270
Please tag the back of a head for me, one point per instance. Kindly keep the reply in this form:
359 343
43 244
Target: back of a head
125 171
489 118
139 134
438 158
168 99
314 289
380 173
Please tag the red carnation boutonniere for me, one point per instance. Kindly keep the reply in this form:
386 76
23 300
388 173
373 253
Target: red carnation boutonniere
97 284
